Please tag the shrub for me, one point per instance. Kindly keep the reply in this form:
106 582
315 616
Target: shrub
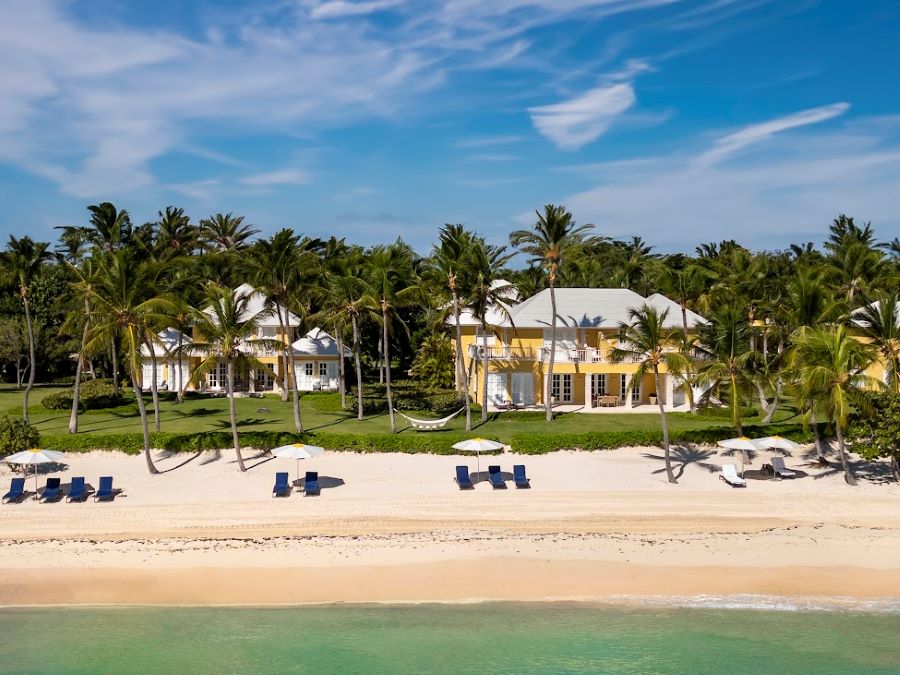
94 395
408 396
16 434
724 412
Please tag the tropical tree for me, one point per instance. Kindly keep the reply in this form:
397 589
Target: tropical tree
23 261
126 307
433 363
553 236
225 331
828 366
225 232
879 322
649 343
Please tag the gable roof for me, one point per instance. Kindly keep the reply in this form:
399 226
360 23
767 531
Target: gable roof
495 314
317 343
167 340
256 305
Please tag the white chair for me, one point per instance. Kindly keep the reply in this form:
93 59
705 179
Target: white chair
730 475
780 469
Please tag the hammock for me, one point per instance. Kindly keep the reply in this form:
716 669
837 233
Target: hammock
428 425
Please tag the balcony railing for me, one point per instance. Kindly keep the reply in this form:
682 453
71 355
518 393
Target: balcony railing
505 353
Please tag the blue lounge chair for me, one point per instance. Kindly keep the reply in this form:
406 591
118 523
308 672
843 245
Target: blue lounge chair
519 476
311 483
105 492
282 485
496 478
77 490
16 490
52 492
462 478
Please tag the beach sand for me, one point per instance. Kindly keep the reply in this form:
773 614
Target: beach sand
395 528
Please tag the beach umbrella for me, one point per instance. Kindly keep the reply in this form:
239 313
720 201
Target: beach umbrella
743 444
298 451
478 445
34 456
777 442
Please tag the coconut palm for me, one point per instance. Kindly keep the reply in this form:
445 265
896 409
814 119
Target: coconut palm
23 261
554 235
126 307
879 321
649 343
226 331
82 284
828 366
175 235
225 232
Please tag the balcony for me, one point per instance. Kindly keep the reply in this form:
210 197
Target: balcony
505 353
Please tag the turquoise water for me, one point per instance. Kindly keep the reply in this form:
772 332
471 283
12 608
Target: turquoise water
510 638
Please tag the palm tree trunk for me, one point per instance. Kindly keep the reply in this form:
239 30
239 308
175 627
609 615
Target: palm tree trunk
773 407
358 361
387 367
233 416
284 359
895 468
31 357
684 318
179 397
820 453
145 425
548 383
289 374
848 473
665 425
484 373
461 375
736 407
154 390
380 363
76 387
341 384
115 367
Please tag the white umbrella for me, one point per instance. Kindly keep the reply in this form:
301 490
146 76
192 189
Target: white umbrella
778 442
34 456
743 444
298 451
478 445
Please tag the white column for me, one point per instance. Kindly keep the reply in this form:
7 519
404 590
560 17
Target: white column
588 391
628 403
670 390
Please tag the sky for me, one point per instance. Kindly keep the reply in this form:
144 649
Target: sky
681 121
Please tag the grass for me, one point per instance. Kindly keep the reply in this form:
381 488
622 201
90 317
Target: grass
271 414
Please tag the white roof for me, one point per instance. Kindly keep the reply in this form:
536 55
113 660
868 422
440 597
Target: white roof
317 343
495 315
592 308
256 304
877 307
167 340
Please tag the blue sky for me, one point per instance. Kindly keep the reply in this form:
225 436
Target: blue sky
679 120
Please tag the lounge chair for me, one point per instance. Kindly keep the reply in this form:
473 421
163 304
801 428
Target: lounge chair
16 491
311 483
496 478
282 486
77 490
53 491
105 492
729 475
519 476
462 478
780 469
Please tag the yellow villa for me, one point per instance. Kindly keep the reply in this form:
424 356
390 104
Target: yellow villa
584 378
315 356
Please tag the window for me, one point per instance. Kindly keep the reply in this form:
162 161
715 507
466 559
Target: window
308 369
599 385
268 332
323 370
264 380
561 388
217 378
623 387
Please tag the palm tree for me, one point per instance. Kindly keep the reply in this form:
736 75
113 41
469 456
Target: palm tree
22 262
449 257
224 326
225 232
879 321
175 235
649 343
485 292
390 279
82 285
125 308
828 366
110 229
337 260
554 234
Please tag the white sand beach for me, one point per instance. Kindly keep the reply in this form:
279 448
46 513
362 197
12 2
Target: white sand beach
393 527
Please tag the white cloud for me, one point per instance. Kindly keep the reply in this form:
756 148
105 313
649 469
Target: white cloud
341 8
755 133
486 141
578 121
278 177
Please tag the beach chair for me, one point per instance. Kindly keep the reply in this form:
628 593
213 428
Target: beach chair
462 478
77 490
311 483
16 491
52 491
519 476
496 478
780 469
105 492
729 475
282 486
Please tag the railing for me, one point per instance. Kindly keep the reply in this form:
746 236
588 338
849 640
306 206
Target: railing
505 353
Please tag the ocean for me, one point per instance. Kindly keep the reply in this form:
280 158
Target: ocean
472 638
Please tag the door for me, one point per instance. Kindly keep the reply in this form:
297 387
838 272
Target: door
523 389
496 386
305 375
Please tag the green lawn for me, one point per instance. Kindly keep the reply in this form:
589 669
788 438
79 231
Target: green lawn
270 414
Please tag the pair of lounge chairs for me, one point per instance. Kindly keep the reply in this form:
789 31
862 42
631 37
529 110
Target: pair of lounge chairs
282 486
495 476
729 472
78 490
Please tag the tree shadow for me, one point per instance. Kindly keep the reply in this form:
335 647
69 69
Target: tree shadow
197 412
325 482
262 458
166 454
682 457
214 457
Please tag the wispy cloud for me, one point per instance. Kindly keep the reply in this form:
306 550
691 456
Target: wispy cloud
278 177
487 141
492 157
580 120
342 8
